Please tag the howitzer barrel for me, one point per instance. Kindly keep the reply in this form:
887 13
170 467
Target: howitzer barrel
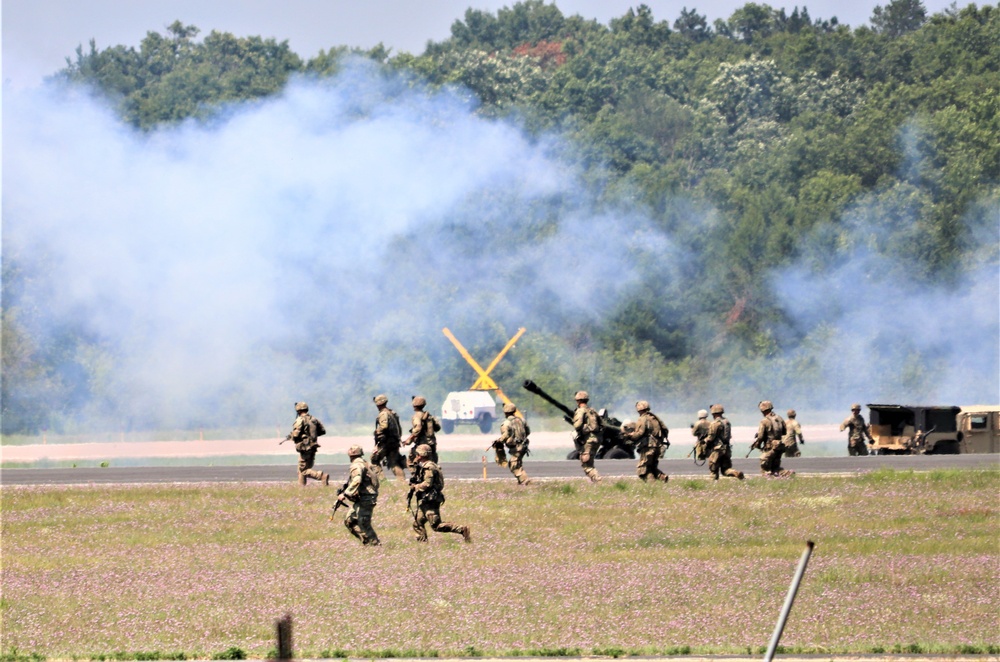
537 390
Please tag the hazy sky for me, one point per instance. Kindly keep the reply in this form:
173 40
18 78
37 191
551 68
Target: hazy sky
38 35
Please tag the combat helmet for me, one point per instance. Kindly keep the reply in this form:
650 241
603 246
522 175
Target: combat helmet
419 401
581 396
355 451
380 399
423 450
509 407
718 409
642 406
791 413
856 407
702 413
765 405
301 406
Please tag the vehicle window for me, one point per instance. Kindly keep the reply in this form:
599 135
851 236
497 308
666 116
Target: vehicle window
977 422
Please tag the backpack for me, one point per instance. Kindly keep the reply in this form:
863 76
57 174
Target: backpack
320 430
435 423
430 421
370 478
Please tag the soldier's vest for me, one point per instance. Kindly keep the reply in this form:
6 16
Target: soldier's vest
436 492
518 431
312 429
370 481
776 430
428 426
393 430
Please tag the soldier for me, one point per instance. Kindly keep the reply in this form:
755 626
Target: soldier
388 434
770 432
718 445
651 434
699 431
361 489
514 433
588 434
422 429
304 433
857 432
793 436
428 486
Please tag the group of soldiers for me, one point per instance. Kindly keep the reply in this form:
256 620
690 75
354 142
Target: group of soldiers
361 489
775 438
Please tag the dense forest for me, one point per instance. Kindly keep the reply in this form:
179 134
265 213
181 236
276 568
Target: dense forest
800 210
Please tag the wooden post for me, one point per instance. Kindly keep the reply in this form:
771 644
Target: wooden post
484 467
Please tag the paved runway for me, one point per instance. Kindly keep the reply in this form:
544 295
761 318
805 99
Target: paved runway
474 470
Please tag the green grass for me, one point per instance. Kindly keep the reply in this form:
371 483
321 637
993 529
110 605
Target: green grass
904 562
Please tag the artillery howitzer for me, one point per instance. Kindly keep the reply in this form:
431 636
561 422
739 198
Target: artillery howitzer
614 445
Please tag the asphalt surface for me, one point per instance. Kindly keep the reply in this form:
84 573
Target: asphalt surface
474 470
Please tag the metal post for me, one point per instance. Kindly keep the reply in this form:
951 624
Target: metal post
792 590
284 630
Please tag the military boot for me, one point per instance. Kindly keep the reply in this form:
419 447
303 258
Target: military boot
302 479
326 478
466 535
398 471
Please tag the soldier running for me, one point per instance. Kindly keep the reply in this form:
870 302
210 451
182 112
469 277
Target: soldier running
793 436
428 486
650 433
361 489
305 431
588 434
514 433
388 435
422 429
718 445
857 432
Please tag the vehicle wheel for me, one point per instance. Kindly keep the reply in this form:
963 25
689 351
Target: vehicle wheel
617 453
485 424
447 426
573 455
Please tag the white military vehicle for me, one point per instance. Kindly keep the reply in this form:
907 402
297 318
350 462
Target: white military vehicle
468 407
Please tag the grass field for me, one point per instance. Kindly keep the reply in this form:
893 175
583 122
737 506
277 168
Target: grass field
904 562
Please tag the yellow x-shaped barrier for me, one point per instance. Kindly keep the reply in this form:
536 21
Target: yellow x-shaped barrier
485 382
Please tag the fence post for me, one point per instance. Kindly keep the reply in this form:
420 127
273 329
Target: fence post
792 590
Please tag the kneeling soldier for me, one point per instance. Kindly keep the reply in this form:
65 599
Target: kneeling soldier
361 490
428 487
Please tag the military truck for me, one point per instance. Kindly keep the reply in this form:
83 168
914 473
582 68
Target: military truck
934 430
614 445
468 408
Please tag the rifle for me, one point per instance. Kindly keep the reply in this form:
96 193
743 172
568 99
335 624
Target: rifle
285 439
754 445
340 502
409 500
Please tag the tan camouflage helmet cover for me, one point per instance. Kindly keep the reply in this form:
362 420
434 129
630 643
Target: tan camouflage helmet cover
509 408
702 413
355 451
790 413
765 405
419 401
581 396
642 405
423 450
856 407
380 399
717 409
301 406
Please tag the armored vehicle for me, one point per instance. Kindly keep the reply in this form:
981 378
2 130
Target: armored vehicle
910 429
614 445
468 408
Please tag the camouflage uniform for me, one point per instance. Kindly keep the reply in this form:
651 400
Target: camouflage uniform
428 488
362 491
304 434
699 431
651 435
793 436
588 432
718 446
857 432
388 436
421 431
514 436
769 435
